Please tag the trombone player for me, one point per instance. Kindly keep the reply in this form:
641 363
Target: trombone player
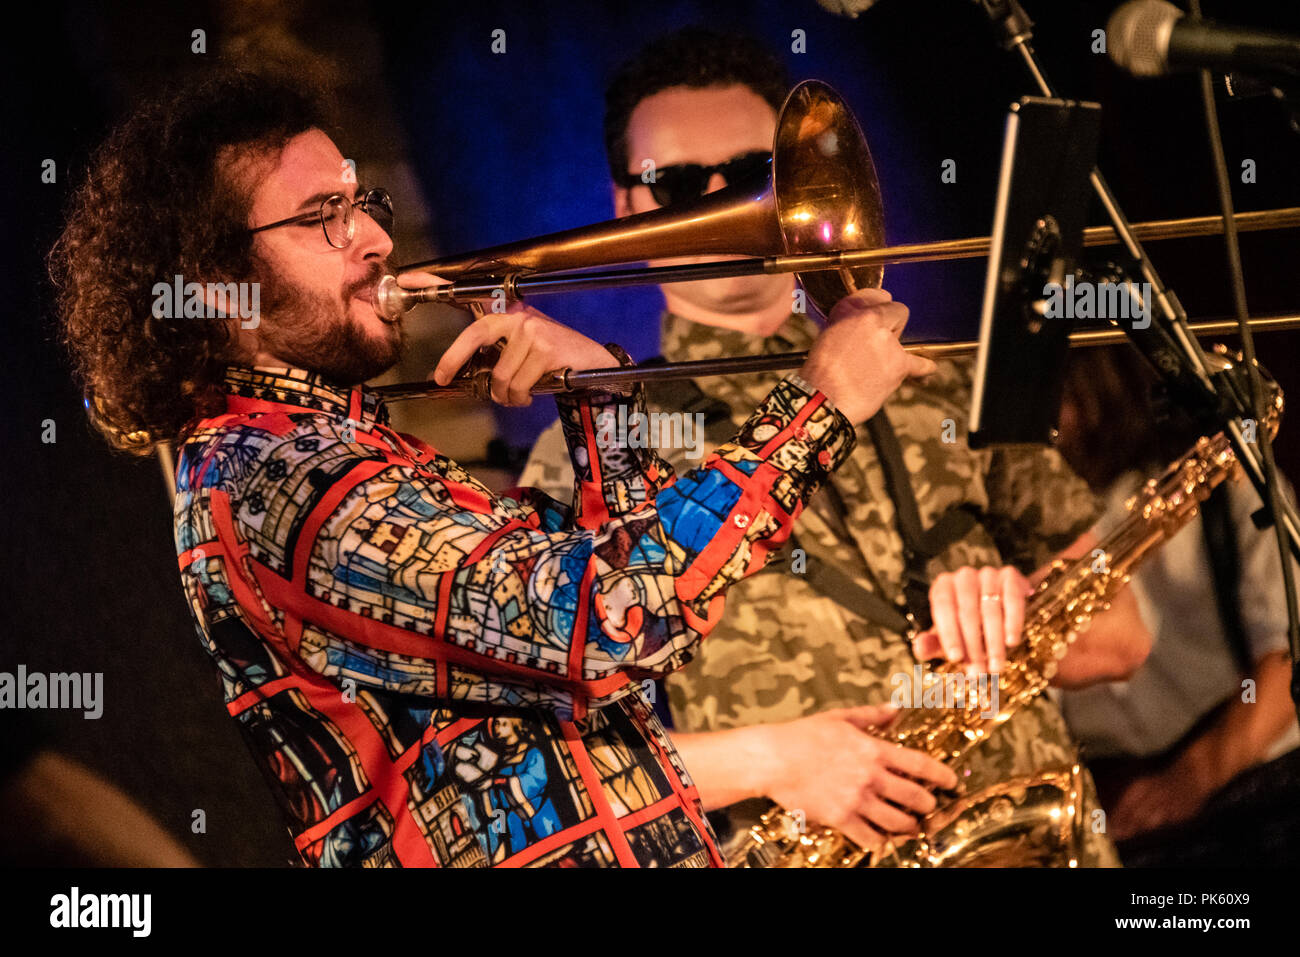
429 674
782 701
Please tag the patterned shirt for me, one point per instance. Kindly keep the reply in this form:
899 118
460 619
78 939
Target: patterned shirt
794 644
433 675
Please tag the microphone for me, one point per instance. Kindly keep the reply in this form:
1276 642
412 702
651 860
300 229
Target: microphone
1153 38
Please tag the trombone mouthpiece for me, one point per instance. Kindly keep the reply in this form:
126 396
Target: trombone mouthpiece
391 300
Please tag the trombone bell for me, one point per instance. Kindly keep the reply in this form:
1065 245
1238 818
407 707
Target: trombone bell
821 196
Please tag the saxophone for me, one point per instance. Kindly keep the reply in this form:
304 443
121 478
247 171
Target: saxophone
1035 819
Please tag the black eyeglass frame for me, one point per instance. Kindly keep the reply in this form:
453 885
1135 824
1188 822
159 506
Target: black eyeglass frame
733 171
375 196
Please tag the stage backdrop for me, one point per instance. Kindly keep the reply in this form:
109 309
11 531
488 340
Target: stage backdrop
507 147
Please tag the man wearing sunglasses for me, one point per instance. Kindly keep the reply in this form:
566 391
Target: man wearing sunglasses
427 673
782 700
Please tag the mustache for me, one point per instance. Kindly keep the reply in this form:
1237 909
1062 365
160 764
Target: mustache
374 273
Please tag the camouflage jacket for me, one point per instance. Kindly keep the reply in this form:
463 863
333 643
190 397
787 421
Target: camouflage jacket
788 645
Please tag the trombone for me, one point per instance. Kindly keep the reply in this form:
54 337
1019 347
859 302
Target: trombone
394 300
477 382
819 214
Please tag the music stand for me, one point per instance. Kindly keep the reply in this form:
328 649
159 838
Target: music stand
1048 151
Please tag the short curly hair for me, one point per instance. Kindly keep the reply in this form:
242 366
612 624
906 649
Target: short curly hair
692 56
155 203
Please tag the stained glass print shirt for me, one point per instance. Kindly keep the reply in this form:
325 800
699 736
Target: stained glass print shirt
429 674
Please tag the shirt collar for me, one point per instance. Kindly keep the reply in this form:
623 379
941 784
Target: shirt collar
681 339
307 390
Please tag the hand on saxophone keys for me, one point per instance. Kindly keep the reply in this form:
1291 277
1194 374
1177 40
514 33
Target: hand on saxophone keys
837 769
978 614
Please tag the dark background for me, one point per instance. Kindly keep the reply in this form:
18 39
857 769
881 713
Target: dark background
506 147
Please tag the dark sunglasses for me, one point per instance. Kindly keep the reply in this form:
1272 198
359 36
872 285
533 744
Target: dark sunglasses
688 181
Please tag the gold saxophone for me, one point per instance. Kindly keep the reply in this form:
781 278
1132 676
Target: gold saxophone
1035 819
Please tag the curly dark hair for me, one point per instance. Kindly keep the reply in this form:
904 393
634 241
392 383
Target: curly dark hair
155 204
691 56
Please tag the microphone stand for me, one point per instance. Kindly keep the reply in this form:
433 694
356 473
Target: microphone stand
1174 352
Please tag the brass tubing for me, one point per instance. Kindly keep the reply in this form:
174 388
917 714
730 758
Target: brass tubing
398 300
567 381
1281 218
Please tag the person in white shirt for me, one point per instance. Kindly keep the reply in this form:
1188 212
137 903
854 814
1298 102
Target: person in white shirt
1195 754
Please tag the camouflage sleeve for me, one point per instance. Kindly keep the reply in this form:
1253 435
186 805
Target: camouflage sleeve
1037 505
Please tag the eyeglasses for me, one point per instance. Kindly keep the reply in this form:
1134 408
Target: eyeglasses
338 220
687 181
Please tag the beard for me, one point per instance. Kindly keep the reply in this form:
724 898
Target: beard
317 332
